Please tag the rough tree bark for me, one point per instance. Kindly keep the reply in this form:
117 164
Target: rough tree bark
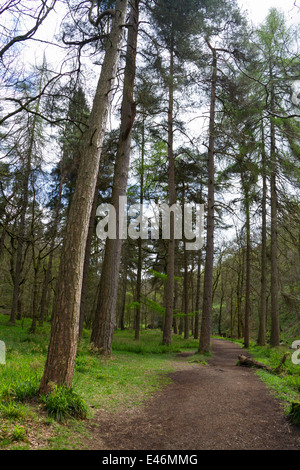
87 257
105 316
275 324
248 275
261 340
185 281
246 192
204 342
169 285
140 245
197 305
59 367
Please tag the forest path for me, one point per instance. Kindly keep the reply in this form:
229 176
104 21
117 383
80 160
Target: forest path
215 407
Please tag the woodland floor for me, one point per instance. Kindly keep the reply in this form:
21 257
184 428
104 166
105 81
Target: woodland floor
219 406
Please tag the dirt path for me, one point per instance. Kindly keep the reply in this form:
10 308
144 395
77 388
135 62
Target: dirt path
215 407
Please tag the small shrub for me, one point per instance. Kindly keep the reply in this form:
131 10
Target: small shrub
26 390
12 410
6 393
18 434
4 435
294 414
63 403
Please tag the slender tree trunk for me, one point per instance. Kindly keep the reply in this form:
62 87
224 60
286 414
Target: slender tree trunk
231 313
239 291
59 367
248 273
169 285
242 325
261 341
123 305
186 296
35 293
21 228
2 240
185 281
275 324
25 196
87 257
105 317
175 322
197 304
220 312
140 242
204 342
52 245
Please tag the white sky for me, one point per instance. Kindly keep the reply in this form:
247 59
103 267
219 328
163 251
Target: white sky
258 9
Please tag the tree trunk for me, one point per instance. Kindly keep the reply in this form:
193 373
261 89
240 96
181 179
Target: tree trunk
139 266
275 326
105 317
204 342
85 276
197 305
123 304
59 367
25 196
239 292
169 285
221 310
45 290
21 228
185 283
2 240
248 274
261 341
35 293
231 313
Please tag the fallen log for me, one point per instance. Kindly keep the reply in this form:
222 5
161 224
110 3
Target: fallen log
249 362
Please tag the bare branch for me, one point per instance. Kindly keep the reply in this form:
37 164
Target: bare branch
43 13
108 12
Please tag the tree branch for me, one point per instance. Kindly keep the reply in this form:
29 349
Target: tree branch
28 35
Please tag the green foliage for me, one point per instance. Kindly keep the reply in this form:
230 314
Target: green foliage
12 410
294 414
64 403
162 276
158 275
27 390
156 307
132 305
16 434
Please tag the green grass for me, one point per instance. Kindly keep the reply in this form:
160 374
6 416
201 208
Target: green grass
135 370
